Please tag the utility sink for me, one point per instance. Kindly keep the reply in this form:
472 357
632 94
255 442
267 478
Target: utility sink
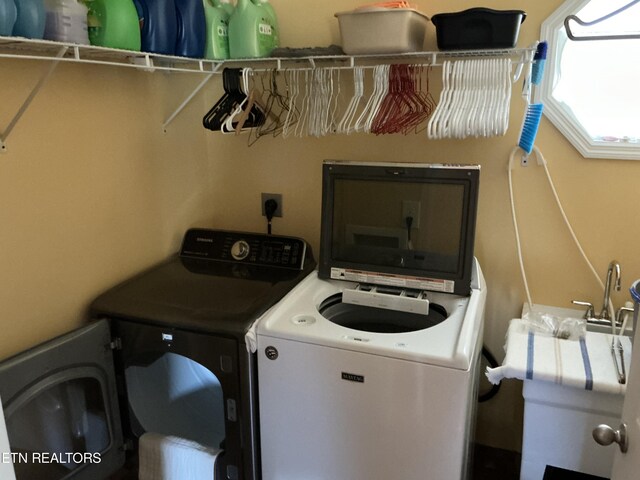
558 419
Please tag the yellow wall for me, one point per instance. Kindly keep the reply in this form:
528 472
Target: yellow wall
92 190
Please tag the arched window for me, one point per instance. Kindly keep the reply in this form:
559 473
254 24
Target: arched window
590 87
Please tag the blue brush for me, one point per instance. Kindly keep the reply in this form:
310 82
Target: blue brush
530 126
539 59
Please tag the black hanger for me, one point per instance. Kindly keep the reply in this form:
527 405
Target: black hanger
233 96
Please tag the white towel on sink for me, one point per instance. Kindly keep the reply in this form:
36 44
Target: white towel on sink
165 457
586 363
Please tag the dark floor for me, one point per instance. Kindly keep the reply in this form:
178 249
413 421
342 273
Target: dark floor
488 464
495 464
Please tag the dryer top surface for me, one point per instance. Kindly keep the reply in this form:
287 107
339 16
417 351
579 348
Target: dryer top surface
200 296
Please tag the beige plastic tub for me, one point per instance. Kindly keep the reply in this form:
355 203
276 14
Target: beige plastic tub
382 30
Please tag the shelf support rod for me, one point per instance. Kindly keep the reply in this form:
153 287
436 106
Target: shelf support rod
4 135
190 97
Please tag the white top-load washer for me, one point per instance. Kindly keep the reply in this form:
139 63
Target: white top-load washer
368 369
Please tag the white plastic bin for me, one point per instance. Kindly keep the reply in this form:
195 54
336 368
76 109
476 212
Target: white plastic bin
382 30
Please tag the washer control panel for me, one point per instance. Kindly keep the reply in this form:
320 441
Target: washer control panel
241 247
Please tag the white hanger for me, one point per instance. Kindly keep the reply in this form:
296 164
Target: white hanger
304 107
345 125
330 125
359 126
227 127
293 85
505 109
382 78
456 93
434 121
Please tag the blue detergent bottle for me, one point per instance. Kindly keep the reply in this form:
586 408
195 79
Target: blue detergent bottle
30 20
158 26
192 28
8 15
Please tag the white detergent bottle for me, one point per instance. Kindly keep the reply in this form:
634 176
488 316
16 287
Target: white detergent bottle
66 21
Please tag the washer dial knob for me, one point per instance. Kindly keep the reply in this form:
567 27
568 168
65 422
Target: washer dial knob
271 352
240 250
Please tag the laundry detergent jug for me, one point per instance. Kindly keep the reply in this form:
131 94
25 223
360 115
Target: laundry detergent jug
273 21
251 28
192 28
30 20
113 24
217 37
8 15
158 25
66 21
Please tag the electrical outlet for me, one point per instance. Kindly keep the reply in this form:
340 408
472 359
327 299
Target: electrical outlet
272 196
411 209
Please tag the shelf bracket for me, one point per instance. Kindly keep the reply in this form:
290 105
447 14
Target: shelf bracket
190 97
43 79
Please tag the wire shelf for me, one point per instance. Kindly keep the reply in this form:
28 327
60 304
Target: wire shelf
61 52
30 49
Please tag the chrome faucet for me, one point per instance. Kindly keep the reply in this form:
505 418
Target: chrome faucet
613 266
604 317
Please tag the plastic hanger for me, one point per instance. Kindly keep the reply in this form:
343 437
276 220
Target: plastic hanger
215 117
226 109
474 100
249 113
432 125
506 94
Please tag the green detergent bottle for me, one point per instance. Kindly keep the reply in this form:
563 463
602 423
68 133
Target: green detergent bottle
251 28
113 24
273 20
217 42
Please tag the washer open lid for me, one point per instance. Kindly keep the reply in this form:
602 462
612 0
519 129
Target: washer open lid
407 225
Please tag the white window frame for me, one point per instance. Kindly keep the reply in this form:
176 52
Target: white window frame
559 114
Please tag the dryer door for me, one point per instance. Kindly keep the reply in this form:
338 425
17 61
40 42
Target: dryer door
61 409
